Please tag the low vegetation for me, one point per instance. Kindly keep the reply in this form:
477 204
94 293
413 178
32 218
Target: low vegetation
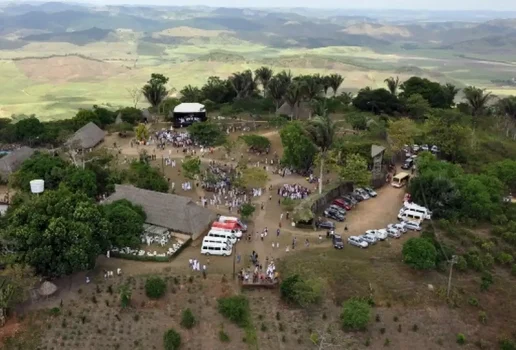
155 287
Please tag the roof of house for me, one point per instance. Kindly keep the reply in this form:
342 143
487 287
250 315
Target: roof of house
376 150
88 136
302 110
189 108
11 162
167 210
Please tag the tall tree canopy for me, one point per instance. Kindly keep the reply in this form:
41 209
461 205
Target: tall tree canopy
439 96
298 149
125 223
477 99
155 90
264 75
392 85
377 101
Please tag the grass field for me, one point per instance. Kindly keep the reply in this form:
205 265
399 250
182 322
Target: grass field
54 88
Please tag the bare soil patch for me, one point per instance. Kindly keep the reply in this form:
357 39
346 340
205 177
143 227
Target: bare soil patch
67 69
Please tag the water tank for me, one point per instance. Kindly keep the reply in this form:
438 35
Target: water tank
37 186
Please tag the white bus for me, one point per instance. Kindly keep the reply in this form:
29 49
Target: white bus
410 215
427 214
209 248
400 180
217 240
222 234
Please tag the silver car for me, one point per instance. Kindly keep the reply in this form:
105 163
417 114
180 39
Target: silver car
399 227
392 232
357 241
370 239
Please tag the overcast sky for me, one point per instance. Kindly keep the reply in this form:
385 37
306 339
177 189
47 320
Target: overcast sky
496 5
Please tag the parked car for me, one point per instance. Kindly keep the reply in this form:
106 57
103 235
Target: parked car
333 214
371 192
357 241
424 147
400 227
370 239
434 149
409 163
373 236
337 241
412 225
337 208
342 203
415 148
362 193
382 234
325 224
392 232
358 197
350 199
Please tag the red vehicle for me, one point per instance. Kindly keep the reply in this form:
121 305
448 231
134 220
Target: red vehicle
342 203
226 225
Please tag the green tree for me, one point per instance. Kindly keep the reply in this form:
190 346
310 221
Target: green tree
256 142
191 167
419 253
191 94
417 107
142 133
171 340
264 75
505 171
155 287
392 85
437 95
58 232
335 81
29 130
167 106
355 170
142 175
43 166
131 115
477 99
356 314
322 131
276 90
293 97
218 90
507 106
243 83
125 294
247 210
188 319
16 281
450 131
377 101
311 89
296 290
81 180
125 223
298 149
155 90
207 134
85 116
401 132
236 309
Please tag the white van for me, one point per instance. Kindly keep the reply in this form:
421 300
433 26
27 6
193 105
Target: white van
413 225
427 214
209 239
209 248
222 234
236 233
410 215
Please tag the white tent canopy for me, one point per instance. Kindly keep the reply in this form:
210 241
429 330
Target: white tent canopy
189 108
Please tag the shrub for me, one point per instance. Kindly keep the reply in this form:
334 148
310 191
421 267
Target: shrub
355 314
462 264
187 319
171 340
474 261
488 260
486 281
235 308
301 292
419 253
473 301
507 344
461 339
482 317
504 258
155 287
223 336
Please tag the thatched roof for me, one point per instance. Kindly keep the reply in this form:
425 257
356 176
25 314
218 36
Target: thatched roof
302 111
376 150
11 162
88 136
47 289
177 213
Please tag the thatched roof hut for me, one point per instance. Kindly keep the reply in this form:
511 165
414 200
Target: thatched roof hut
12 162
86 137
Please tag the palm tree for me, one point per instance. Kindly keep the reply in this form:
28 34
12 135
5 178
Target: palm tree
322 131
285 77
450 91
155 90
507 106
264 75
311 89
243 83
326 84
392 85
276 89
293 97
336 81
477 99
190 94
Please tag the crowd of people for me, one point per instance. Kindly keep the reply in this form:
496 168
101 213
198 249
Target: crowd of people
256 273
295 191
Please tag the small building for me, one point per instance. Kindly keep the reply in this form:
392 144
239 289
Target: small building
176 213
185 114
12 161
86 137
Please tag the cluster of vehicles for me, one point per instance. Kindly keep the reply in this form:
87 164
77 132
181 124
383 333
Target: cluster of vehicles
412 151
224 233
411 215
337 210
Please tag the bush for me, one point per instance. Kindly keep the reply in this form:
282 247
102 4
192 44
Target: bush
473 301
419 253
488 260
355 314
504 258
235 308
187 319
474 261
461 339
301 292
486 281
155 287
171 340
507 344
482 317
462 264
